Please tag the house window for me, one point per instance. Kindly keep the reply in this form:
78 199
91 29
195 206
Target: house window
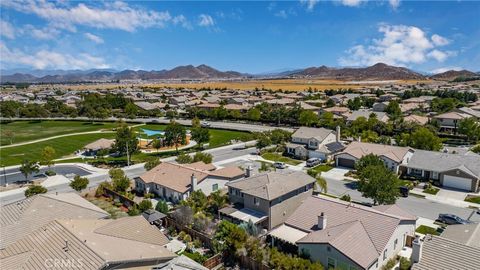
256 201
331 263
385 254
215 187
395 244
329 249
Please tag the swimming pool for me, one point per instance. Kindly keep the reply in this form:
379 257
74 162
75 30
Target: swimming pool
150 132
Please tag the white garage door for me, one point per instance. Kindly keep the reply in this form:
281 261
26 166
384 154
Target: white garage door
457 182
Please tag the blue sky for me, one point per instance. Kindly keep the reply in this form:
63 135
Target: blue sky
243 36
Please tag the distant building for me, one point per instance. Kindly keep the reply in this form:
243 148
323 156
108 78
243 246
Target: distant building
314 142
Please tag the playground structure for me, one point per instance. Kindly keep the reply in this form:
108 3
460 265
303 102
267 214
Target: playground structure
146 144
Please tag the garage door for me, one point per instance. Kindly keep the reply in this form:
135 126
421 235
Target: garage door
348 163
457 182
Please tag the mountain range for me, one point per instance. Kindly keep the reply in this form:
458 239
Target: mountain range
378 71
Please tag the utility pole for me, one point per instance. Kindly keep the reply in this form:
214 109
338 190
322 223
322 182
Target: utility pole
128 156
4 177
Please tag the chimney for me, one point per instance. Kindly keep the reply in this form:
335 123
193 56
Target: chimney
249 171
417 247
338 133
322 221
193 182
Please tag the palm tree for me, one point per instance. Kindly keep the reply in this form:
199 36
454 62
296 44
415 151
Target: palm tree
321 184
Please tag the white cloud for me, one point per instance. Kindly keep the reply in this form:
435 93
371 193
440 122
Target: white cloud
7 30
205 20
94 38
400 45
310 4
351 3
439 40
45 33
281 13
116 15
444 69
48 59
182 20
394 3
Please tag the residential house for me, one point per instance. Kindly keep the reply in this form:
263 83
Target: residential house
450 120
267 199
470 111
458 171
416 119
339 111
380 106
89 244
150 106
437 252
181 262
314 142
92 148
354 115
467 234
343 235
175 182
387 97
393 156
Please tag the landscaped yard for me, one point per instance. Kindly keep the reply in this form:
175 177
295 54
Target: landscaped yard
473 199
114 211
432 190
427 230
63 147
279 158
33 130
318 169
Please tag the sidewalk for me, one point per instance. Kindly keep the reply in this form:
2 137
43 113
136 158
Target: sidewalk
444 200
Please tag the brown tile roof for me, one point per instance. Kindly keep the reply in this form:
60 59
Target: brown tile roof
21 218
178 176
377 225
360 149
272 185
393 209
200 165
422 120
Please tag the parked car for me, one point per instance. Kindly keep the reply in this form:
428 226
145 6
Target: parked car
205 124
279 165
450 219
404 191
311 162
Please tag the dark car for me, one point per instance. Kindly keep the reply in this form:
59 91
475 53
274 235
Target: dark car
450 219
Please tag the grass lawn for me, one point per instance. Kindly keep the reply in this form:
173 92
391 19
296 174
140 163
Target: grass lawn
426 230
432 191
473 199
63 146
278 157
33 130
318 169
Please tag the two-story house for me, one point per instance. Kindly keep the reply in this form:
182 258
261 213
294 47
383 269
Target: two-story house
175 182
343 235
267 199
450 120
314 142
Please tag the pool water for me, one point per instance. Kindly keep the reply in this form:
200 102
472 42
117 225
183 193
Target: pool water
150 132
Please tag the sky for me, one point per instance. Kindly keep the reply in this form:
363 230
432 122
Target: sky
248 36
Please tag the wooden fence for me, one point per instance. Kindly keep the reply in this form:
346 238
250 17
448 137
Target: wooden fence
213 261
249 263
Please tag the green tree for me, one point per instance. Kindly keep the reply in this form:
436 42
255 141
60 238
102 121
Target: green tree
120 181
254 114
197 201
200 135
379 183
368 160
29 167
48 153
423 138
152 163
162 207
157 144
196 123
216 201
131 110
470 128
263 140
175 135
184 159
232 237
79 183
476 149
393 110
308 118
321 183
126 139
34 190
204 157
144 205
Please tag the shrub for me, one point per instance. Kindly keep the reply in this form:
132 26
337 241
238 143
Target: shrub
162 207
79 183
187 238
197 243
181 235
184 159
34 190
346 198
50 173
101 188
149 195
205 157
390 264
144 205
405 263
133 211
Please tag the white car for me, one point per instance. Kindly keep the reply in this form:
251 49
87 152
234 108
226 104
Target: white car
279 165
205 124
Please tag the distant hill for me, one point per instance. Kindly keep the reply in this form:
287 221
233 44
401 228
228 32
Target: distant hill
180 72
453 74
378 71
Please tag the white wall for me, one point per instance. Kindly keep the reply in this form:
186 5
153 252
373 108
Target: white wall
207 184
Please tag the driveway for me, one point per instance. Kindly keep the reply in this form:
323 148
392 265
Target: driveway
337 173
452 194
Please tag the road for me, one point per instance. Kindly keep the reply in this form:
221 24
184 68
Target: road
219 154
187 122
418 206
